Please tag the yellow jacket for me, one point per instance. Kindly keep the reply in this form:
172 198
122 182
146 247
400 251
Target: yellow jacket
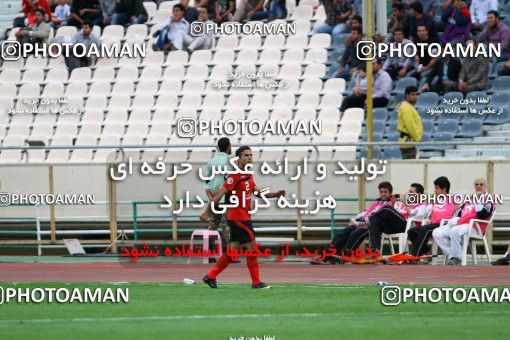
409 124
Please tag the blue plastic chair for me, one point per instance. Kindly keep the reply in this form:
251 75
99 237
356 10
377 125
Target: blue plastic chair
499 118
393 136
380 113
428 125
448 125
500 84
471 128
427 99
376 152
500 99
442 137
404 82
392 152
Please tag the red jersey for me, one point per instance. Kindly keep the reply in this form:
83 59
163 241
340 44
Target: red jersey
240 186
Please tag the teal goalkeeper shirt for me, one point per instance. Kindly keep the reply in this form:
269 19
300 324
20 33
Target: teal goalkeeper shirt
222 160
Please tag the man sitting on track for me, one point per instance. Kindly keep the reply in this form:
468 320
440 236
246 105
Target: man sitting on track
241 186
351 237
449 237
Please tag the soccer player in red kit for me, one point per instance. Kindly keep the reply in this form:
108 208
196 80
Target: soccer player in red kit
241 230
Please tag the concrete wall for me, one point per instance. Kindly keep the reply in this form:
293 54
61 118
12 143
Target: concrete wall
93 179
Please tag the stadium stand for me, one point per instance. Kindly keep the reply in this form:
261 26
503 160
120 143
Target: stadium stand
179 85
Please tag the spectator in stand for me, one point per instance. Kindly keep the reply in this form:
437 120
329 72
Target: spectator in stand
479 10
398 18
168 33
250 10
129 12
349 62
225 10
381 90
449 237
37 33
209 4
183 40
355 22
190 12
425 61
84 10
277 9
409 123
496 32
457 21
429 7
420 235
418 18
444 76
87 38
107 10
357 7
474 74
28 8
337 14
61 14
398 66
505 71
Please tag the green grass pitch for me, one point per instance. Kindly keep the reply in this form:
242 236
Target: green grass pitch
286 311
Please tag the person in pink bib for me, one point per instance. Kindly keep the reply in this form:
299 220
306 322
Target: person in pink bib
449 237
392 219
420 235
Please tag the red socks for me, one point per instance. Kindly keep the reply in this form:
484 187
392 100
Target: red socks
222 263
253 267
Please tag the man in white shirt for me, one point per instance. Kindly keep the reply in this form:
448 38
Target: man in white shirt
201 39
171 28
479 9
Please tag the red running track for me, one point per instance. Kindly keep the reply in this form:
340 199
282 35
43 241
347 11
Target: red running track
270 272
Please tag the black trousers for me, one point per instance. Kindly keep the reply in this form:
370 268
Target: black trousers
419 236
386 220
408 153
359 101
349 238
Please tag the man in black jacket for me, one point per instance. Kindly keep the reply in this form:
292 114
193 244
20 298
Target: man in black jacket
444 76
349 62
129 11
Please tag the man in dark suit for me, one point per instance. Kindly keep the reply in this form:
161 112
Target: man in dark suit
444 76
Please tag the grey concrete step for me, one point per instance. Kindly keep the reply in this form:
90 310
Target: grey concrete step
501 133
497 127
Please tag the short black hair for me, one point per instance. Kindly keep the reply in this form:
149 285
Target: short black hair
357 29
386 185
443 183
419 188
398 29
358 18
496 13
223 144
87 23
423 25
40 10
179 6
417 7
398 5
241 149
410 89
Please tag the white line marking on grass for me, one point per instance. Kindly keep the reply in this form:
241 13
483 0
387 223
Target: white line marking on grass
242 316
